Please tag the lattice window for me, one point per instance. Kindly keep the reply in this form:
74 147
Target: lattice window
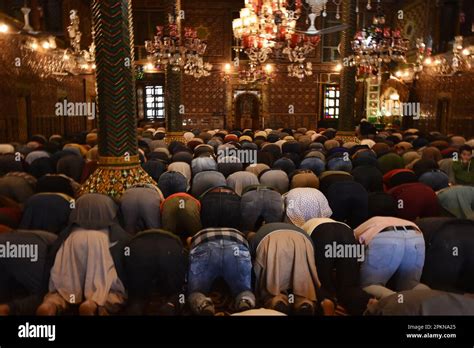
154 102
331 101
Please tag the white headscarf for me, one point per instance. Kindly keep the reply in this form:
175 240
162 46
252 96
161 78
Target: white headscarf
303 204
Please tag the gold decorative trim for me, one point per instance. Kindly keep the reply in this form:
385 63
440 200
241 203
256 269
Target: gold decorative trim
124 161
115 181
174 136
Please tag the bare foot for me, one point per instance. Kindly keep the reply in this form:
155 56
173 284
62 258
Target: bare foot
372 302
47 309
371 305
4 310
88 308
329 307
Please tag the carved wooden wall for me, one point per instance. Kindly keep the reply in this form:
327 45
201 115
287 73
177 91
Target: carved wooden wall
209 102
460 94
293 103
27 100
421 17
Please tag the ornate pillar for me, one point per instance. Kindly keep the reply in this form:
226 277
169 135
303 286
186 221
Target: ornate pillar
119 165
174 79
348 74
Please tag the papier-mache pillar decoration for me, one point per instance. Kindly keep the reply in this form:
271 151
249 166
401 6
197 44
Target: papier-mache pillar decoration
119 164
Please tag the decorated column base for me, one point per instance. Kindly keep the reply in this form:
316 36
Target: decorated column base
115 175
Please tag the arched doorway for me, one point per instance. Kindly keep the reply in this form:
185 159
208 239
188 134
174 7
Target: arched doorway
247 111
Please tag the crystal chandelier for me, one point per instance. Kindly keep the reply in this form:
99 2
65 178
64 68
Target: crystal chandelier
376 47
255 73
78 61
267 28
196 67
42 56
263 25
297 50
43 59
167 49
461 59
318 7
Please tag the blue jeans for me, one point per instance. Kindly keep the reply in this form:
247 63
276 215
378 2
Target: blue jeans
398 254
219 258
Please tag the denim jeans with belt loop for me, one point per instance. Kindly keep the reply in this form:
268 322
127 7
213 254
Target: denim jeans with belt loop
219 258
397 253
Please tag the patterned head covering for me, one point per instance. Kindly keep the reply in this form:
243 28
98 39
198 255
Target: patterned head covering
303 204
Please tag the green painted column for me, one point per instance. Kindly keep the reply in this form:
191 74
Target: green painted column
348 74
173 99
174 80
119 165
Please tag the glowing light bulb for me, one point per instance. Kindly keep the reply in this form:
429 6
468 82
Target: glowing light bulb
394 96
3 28
149 67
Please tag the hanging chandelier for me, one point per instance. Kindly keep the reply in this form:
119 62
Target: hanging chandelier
43 57
297 50
268 28
460 60
378 47
196 67
78 61
254 74
318 7
263 24
168 49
